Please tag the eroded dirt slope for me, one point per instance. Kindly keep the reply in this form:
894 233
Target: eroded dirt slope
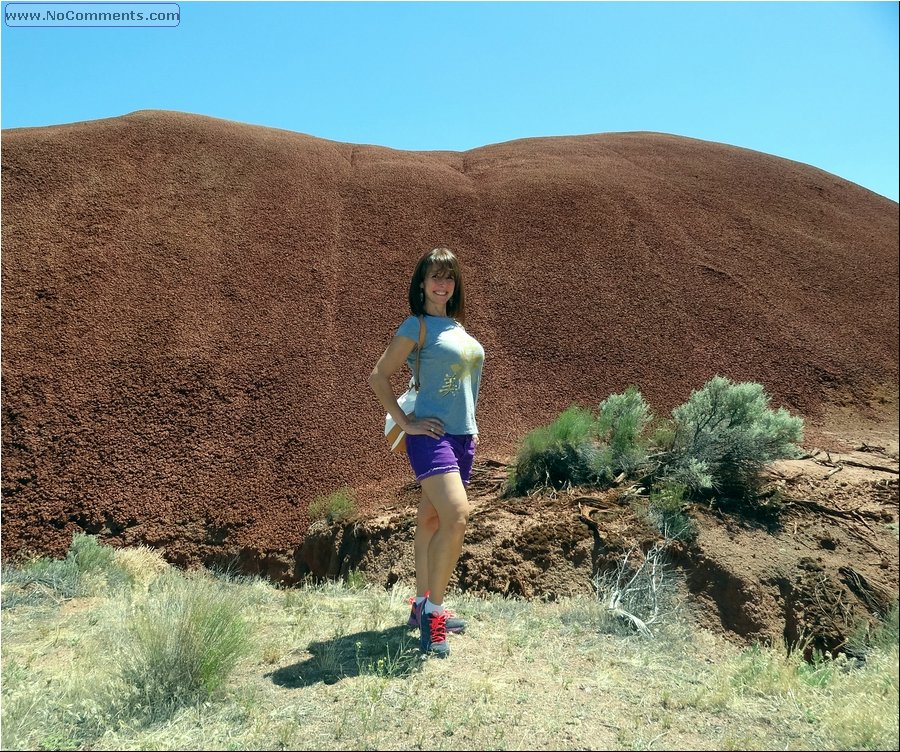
191 308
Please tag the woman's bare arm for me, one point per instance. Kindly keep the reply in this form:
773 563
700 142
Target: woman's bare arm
388 364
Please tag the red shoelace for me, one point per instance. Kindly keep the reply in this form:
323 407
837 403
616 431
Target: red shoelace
439 627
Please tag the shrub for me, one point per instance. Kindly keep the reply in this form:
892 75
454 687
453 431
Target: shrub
621 427
89 567
186 638
39 581
560 455
89 556
666 511
335 507
356 580
724 436
690 473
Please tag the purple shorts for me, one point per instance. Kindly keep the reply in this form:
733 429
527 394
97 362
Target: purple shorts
451 453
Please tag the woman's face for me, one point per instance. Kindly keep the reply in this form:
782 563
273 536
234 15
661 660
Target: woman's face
438 286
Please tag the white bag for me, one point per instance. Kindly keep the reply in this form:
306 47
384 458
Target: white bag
395 435
407 401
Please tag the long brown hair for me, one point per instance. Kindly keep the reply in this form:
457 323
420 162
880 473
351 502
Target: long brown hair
442 259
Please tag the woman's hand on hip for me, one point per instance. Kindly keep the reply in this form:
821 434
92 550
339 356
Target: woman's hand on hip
426 427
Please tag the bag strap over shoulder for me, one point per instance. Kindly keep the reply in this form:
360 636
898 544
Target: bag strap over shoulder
419 348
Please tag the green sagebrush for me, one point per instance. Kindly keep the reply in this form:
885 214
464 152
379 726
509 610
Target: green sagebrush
621 429
725 434
718 441
559 455
580 449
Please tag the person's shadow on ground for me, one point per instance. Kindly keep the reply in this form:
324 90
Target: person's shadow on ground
390 652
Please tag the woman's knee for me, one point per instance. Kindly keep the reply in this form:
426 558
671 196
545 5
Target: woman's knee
457 524
455 518
448 498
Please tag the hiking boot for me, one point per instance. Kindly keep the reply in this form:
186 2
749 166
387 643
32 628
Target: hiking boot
433 635
454 624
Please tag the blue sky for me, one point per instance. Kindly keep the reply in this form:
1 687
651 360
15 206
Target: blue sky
809 81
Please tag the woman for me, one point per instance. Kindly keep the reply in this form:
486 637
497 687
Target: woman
441 435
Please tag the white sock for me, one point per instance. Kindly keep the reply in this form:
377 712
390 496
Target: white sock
420 599
433 608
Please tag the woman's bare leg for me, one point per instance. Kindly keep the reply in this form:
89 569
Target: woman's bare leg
426 526
447 495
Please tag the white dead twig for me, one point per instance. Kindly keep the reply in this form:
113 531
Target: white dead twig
641 590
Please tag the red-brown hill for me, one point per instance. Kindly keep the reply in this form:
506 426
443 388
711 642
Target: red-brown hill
191 307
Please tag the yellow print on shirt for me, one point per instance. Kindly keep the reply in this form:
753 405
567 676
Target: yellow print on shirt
470 357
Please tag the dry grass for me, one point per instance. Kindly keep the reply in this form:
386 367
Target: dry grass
333 667
142 563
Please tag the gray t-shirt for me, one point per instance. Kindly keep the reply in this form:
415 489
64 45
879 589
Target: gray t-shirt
449 372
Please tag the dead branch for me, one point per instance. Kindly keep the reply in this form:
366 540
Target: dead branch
643 587
594 501
871 448
865 539
847 514
789 479
879 468
838 464
590 523
877 600
493 463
